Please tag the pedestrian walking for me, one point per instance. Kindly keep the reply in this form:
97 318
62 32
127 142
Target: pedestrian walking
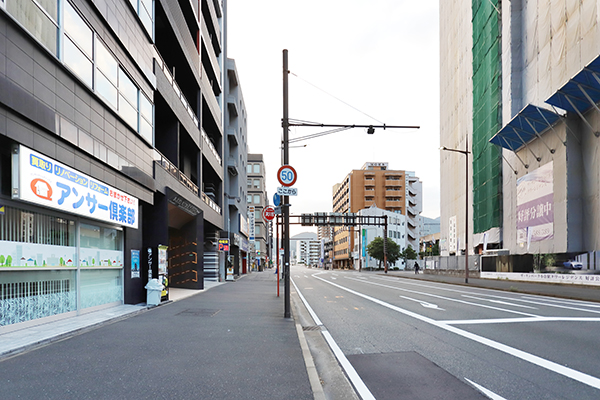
416 267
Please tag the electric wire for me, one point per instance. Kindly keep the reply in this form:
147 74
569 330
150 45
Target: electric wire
337 98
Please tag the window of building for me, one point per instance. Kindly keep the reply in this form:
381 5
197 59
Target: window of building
249 170
249 182
88 57
78 43
257 183
249 199
258 215
257 230
256 168
144 11
39 18
256 199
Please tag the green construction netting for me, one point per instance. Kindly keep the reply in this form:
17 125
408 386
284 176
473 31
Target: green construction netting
487 161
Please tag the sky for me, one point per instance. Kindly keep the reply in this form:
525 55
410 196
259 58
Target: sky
350 62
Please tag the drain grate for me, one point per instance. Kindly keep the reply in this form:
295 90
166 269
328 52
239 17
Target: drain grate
199 312
311 328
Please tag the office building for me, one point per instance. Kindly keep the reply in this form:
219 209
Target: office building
236 154
111 125
375 185
257 201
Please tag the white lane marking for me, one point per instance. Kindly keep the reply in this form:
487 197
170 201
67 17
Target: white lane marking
446 298
310 310
405 281
511 320
540 303
359 385
485 391
541 362
564 301
356 380
424 303
333 278
498 301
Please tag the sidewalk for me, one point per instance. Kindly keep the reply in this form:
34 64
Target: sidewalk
567 291
230 341
17 341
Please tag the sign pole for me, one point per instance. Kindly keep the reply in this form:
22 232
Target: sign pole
277 247
285 206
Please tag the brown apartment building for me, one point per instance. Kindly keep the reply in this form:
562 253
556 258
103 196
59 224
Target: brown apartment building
373 184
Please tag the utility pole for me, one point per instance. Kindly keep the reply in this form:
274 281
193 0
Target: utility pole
285 207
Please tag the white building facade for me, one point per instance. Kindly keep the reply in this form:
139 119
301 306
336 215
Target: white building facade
397 230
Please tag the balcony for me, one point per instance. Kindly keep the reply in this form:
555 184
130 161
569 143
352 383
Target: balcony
392 182
161 65
232 166
175 172
211 203
211 146
393 204
393 193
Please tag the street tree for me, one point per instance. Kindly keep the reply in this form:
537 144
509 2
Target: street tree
375 250
408 253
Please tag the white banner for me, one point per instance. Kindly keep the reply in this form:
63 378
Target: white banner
49 183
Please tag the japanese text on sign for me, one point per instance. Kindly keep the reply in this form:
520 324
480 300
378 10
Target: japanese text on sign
50 183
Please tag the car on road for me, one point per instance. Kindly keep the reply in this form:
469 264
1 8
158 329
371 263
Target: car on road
573 264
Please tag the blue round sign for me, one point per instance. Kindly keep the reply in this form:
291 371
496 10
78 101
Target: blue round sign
276 200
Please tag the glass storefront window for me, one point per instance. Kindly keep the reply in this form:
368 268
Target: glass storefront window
100 286
39 265
28 295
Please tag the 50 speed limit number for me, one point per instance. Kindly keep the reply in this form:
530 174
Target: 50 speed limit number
287 175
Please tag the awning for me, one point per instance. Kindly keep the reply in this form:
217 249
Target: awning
580 93
527 125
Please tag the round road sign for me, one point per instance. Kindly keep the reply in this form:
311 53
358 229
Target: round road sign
268 213
287 175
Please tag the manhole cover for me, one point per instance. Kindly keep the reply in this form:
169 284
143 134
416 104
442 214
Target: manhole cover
198 312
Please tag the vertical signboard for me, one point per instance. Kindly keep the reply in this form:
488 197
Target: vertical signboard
535 205
251 223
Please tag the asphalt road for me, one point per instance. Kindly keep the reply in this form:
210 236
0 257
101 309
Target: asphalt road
409 339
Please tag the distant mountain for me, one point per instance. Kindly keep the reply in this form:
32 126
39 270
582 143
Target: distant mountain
305 236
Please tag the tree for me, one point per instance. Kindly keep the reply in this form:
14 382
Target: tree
375 250
9 261
408 254
2 259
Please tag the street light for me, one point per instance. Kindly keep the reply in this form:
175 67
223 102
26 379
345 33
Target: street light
466 153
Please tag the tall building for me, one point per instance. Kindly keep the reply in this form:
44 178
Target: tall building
257 200
375 185
111 123
236 154
519 90
308 252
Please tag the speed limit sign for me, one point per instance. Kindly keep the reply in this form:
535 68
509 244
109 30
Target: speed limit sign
287 175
